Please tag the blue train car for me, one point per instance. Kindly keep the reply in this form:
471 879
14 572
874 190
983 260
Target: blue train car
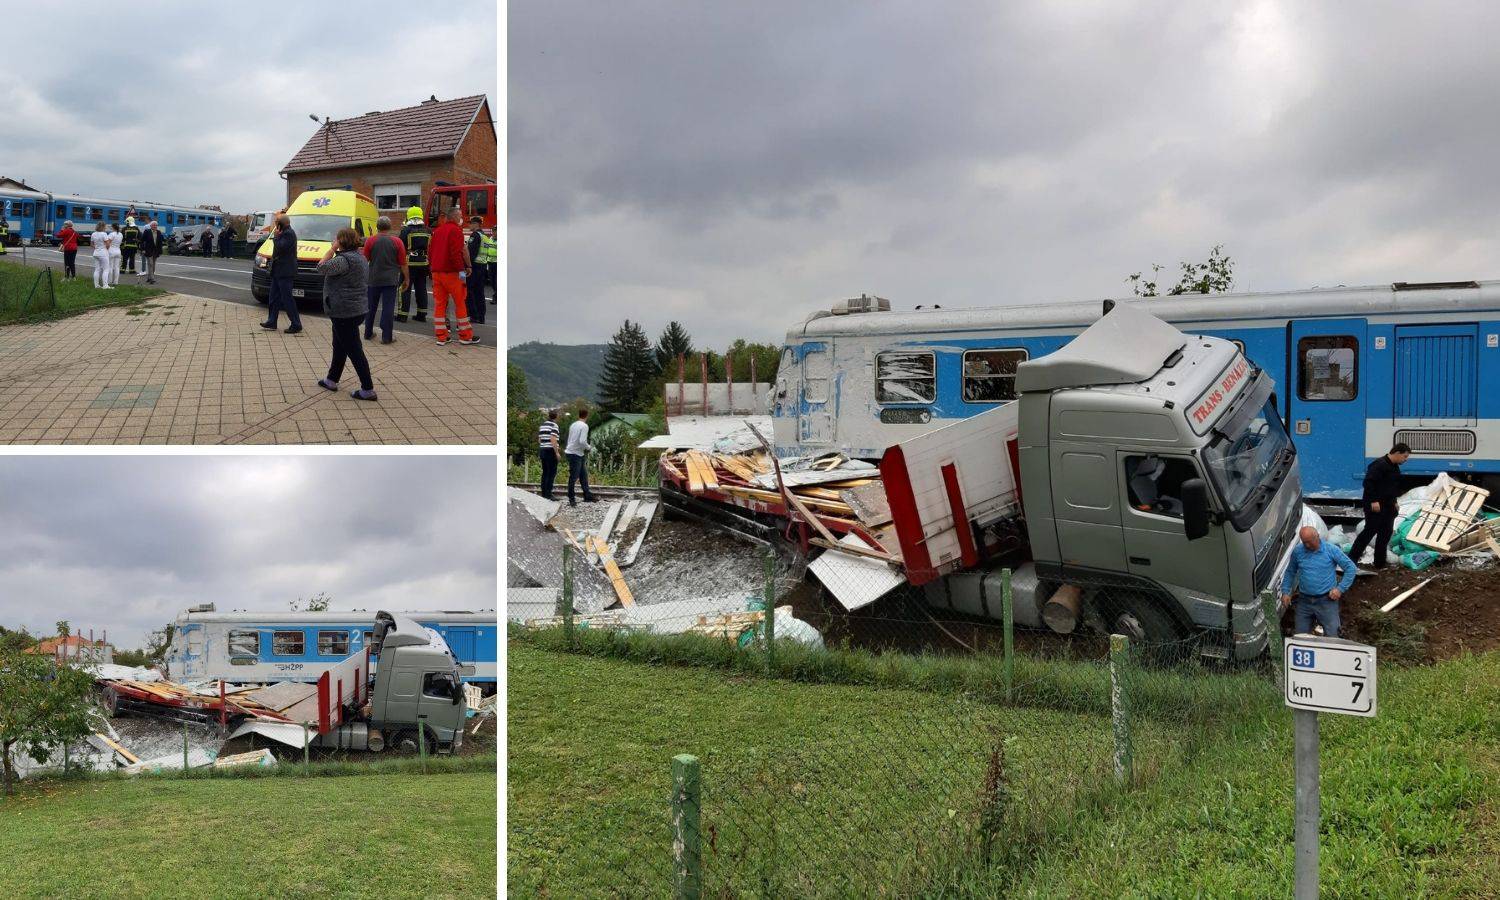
85 212
245 647
25 214
1357 370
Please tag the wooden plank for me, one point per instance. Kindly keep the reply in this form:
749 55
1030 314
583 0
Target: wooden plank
694 475
616 579
115 746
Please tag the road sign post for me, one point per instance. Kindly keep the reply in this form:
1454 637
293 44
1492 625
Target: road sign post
1320 675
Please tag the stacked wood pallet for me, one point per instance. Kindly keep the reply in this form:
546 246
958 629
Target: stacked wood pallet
1450 514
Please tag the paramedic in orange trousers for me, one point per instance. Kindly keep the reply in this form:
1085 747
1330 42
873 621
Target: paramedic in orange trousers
450 266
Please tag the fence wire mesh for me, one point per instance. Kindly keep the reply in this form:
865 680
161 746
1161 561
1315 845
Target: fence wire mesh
979 732
25 292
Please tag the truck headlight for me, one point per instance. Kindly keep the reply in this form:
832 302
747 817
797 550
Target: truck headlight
262 262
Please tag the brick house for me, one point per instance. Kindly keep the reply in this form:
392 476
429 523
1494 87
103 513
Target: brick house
397 157
74 648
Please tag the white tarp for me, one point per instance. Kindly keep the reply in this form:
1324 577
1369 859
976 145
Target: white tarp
719 434
855 581
111 672
287 733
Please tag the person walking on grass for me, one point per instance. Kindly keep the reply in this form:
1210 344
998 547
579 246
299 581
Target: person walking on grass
99 244
152 242
116 242
388 276
1315 572
548 436
67 238
450 266
346 299
1382 489
283 270
577 451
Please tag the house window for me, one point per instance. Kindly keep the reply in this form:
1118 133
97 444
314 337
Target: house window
990 375
288 643
903 376
333 643
397 198
244 643
1328 367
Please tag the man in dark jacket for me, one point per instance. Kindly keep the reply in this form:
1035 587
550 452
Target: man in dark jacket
415 237
283 269
152 242
129 245
226 241
474 286
1382 488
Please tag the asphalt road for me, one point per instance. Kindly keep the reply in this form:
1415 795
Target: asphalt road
216 279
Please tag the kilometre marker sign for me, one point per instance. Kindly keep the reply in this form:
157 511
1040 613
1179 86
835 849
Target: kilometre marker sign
1329 675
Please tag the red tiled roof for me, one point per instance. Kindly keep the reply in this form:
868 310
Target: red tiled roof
50 645
431 128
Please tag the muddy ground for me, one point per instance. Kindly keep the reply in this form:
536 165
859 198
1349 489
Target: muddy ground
1457 612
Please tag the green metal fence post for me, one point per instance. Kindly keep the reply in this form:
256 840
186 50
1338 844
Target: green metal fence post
1010 636
422 742
687 854
1271 603
770 592
567 594
184 748
306 753
1119 646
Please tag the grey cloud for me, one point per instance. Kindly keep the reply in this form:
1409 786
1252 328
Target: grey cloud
760 161
124 543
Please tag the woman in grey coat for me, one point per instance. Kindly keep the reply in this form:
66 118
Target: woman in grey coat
345 275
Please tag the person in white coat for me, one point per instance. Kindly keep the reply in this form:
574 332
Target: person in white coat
116 241
99 242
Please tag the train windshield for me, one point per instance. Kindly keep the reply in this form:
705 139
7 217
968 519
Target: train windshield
317 228
1246 460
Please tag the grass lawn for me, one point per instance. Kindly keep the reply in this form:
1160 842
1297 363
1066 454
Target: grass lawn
807 789
357 835
845 789
73 297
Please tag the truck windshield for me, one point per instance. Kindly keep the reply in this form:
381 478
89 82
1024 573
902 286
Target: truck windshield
1240 464
317 228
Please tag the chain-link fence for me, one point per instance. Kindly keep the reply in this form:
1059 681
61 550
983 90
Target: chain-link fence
993 710
26 292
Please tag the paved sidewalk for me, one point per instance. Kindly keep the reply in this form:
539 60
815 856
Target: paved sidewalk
185 370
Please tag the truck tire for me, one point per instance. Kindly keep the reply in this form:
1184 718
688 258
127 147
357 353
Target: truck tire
260 296
1144 621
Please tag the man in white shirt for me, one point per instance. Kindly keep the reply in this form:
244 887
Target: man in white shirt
577 450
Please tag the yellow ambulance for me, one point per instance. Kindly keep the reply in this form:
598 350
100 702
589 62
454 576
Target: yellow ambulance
316 217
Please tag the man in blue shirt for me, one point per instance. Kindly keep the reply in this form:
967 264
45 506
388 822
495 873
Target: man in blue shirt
1319 587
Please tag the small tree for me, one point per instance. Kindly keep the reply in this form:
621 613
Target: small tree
15 640
43 706
318 602
629 364
63 628
1215 276
158 641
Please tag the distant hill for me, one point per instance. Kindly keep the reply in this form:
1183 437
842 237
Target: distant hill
557 373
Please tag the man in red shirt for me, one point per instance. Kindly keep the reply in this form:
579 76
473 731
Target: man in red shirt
450 259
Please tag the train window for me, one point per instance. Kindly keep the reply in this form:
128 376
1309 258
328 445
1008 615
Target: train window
333 643
990 375
114 215
96 214
28 210
288 643
244 643
904 376
1328 367
62 210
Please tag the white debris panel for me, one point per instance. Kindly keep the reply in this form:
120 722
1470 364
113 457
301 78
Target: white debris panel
534 557
720 434
855 581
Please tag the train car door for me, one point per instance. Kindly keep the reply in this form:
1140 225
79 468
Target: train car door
462 640
814 413
1325 404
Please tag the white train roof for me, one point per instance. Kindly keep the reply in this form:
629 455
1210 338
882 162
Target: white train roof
138 204
287 617
1388 299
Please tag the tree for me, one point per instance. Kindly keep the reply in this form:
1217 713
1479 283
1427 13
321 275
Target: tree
15 640
63 628
158 642
766 356
316 603
137 658
42 707
517 395
1212 277
674 341
629 365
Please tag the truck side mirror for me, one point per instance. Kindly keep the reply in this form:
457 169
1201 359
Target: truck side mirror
1194 508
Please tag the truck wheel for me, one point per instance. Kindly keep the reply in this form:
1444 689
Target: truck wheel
402 741
1143 620
261 296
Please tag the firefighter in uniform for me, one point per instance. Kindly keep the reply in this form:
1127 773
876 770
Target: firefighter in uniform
415 236
130 244
4 235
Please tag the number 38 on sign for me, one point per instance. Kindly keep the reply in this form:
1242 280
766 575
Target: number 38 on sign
1329 675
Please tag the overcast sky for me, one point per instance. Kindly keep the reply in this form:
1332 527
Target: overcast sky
736 166
204 102
126 543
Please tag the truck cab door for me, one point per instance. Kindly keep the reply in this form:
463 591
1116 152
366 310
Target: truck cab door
1156 546
1086 506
